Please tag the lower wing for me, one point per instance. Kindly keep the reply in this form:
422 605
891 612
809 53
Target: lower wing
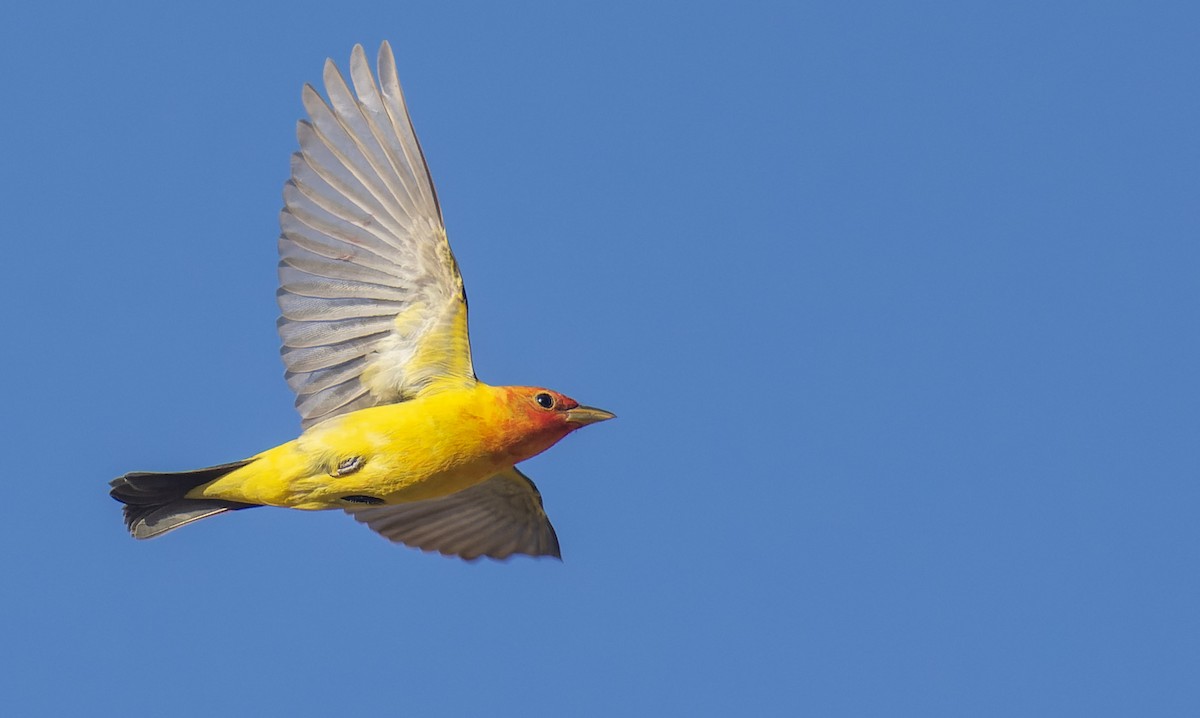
497 518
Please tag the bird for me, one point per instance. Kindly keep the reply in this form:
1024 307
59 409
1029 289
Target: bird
396 429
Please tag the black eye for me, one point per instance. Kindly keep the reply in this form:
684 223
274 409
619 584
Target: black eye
544 400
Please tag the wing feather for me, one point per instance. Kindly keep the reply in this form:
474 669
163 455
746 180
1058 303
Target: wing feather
305 275
395 128
327 267
355 119
373 309
301 335
338 192
497 518
314 381
309 359
335 396
338 149
302 308
326 235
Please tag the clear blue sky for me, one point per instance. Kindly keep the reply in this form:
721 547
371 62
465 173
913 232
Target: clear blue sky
897 303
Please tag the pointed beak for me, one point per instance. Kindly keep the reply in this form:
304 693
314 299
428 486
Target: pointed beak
584 415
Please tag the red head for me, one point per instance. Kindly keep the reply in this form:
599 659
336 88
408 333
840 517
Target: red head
546 417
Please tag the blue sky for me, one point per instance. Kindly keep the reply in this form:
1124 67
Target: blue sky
897 304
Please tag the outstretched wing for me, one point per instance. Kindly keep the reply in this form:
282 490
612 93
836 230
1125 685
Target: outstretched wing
495 518
372 302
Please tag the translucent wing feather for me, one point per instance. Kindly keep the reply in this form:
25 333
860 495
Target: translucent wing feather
496 518
372 302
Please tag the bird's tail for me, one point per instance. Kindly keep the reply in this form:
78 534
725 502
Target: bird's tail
157 503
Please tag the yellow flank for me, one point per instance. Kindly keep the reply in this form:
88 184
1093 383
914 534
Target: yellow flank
432 446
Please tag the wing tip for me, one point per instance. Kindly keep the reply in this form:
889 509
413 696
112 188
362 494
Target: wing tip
385 55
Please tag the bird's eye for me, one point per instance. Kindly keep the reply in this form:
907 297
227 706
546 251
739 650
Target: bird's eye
544 400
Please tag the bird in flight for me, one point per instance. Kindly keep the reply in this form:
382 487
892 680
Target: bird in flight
397 430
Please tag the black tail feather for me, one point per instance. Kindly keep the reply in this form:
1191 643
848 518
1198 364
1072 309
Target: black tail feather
156 503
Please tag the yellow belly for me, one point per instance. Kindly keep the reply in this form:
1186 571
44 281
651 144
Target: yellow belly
395 453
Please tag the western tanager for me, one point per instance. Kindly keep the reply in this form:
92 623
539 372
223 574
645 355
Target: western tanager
398 432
